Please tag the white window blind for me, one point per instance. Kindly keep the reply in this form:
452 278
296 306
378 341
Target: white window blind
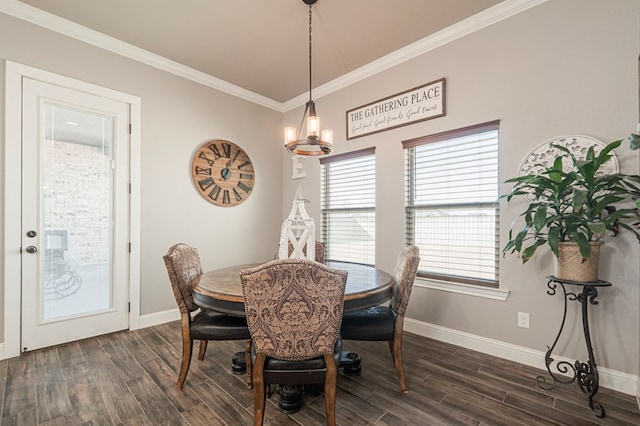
348 206
451 208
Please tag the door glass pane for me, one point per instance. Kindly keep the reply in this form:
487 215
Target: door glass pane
76 211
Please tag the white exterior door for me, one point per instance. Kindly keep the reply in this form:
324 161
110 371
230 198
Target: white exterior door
75 215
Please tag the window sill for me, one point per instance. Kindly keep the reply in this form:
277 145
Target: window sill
467 289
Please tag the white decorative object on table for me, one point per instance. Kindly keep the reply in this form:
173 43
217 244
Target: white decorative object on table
299 230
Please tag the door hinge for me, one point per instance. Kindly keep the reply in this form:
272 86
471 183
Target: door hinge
129 247
129 128
129 306
129 188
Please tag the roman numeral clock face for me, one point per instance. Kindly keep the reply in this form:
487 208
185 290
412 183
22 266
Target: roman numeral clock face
222 173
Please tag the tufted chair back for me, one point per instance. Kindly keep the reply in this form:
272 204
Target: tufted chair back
184 269
294 307
405 274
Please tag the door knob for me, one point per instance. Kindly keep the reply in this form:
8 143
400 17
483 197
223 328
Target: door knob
31 234
31 249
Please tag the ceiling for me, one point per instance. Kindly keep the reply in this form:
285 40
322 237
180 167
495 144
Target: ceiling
262 46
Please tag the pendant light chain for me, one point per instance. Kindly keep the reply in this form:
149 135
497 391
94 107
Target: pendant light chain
306 107
310 98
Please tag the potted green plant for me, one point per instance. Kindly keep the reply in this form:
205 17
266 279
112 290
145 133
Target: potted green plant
571 210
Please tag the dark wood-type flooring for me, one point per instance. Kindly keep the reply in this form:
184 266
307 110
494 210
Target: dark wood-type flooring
128 378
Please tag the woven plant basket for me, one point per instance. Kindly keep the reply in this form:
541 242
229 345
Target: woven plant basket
569 265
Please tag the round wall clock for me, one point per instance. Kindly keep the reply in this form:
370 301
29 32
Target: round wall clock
223 173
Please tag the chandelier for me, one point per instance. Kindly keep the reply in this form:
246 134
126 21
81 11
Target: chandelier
316 142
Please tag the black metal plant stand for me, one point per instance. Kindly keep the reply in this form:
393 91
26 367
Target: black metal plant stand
586 373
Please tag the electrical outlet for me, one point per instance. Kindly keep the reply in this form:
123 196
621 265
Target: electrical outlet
523 319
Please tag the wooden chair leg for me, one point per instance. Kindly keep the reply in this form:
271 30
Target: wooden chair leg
259 396
203 349
187 347
396 345
330 383
248 363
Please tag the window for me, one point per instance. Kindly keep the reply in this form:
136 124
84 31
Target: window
452 213
348 206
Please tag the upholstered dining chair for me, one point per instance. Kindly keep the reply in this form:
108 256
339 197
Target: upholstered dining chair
385 323
184 268
294 308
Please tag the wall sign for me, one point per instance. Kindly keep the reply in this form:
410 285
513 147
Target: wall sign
417 104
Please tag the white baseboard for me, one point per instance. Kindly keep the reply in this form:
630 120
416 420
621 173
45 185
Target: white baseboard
158 318
611 379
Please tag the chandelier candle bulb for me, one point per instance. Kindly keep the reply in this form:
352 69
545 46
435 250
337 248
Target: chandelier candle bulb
289 134
327 135
313 126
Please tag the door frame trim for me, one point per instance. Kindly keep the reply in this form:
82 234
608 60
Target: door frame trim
14 72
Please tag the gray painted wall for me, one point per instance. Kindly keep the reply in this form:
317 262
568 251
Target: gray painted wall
177 116
563 67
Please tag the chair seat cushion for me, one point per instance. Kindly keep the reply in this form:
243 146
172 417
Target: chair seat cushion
298 372
373 324
211 325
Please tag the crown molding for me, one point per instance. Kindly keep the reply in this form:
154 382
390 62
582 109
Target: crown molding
467 26
71 29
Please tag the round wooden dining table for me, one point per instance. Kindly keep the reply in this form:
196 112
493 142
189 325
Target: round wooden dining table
221 289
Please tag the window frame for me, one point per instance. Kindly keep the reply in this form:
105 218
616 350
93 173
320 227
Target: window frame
324 212
411 208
